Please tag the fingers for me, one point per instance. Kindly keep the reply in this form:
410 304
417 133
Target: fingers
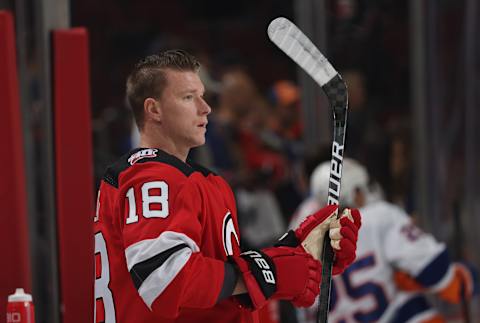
335 244
342 238
347 250
347 230
348 233
339 267
344 229
344 235
356 217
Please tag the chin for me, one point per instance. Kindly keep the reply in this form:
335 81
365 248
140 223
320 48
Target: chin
199 142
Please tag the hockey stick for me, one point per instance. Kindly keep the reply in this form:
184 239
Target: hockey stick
290 39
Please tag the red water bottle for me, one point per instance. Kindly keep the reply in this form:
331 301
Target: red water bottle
20 308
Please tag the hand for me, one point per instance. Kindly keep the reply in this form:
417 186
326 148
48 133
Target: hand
343 233
280 273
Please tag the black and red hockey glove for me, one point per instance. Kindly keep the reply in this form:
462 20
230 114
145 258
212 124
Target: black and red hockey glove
280 273
291 270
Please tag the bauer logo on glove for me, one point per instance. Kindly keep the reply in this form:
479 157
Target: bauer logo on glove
262 263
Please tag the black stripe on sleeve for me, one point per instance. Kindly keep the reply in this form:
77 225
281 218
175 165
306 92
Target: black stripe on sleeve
229 281
143 269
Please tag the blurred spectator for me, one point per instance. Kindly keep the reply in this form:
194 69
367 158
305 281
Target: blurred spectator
259 216
113 135
364 129
223 131
285 120
401 189
239 153
367 137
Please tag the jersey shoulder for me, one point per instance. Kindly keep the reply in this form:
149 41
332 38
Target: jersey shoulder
145 161
207 175
383 212
204 171
151 163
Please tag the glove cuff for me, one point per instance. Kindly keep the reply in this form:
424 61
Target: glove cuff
289 239
259 275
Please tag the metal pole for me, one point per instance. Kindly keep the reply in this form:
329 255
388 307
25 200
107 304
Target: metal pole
24 40
5 4
36 88
434 109
471 123
419 106
310 16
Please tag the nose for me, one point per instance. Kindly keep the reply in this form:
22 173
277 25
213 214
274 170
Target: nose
204 107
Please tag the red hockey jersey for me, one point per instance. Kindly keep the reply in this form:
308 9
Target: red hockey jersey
163 231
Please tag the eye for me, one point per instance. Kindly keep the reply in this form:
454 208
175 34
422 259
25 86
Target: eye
188 97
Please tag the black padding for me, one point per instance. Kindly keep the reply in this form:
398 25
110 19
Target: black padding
288 240
230 279
256 263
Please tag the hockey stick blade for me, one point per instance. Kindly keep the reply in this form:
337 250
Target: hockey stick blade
291 40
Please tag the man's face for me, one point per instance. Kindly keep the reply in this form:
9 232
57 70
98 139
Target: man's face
184 111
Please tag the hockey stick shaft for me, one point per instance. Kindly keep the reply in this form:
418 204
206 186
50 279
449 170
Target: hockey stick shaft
290 39
334 186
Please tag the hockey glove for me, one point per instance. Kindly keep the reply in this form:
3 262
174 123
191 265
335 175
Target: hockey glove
343 233
279 273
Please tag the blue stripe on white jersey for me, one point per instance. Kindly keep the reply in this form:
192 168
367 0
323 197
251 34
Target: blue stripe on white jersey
413 307
435 271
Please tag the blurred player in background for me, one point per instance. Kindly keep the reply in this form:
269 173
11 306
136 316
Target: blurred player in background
166 230
396 264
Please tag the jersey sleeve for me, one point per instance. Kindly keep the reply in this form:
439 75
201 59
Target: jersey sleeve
161 230
423 263
413 251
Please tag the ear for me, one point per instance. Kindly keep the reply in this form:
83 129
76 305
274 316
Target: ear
152 110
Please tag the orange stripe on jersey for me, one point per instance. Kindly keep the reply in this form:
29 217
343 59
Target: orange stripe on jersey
406 282
452 292
461 281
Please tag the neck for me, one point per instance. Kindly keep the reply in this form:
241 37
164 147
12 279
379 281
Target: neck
149 138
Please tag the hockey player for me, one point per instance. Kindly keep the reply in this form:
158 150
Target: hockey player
396 261
166 230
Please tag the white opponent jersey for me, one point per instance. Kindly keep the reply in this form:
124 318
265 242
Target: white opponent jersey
366 291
